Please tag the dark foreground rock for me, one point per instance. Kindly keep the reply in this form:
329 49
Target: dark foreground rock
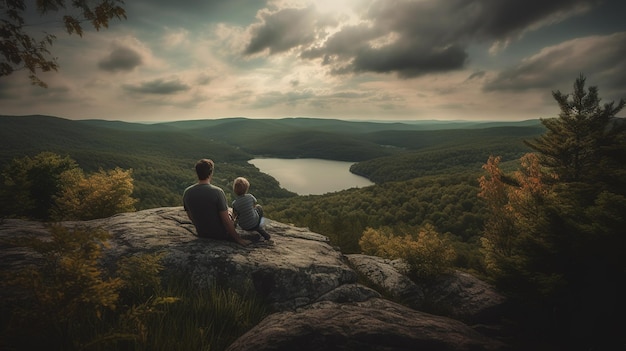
376 324
318 300
457 295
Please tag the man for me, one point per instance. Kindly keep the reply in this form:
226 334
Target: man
207 208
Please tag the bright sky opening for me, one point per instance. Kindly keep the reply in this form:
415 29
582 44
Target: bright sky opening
352 59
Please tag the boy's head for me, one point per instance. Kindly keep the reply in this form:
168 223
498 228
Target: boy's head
204 168
241 186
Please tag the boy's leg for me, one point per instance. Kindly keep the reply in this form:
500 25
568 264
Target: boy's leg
259 229
259 210
262 231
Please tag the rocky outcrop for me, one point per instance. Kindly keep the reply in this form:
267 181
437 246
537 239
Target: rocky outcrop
318 301
386 274
458 295
376 324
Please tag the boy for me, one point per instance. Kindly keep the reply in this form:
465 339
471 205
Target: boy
247 212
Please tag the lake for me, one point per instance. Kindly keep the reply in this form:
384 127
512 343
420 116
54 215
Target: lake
310 176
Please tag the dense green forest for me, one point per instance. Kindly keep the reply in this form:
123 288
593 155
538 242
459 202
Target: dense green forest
162 155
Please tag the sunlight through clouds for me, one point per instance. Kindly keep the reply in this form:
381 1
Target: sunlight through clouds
353 59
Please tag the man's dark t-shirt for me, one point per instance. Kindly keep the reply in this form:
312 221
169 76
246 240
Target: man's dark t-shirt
204 202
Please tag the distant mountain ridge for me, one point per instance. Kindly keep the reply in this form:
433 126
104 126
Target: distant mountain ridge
33 134
287 123
287 137
162 154
358 126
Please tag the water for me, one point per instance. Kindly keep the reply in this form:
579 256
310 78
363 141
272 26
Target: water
310 176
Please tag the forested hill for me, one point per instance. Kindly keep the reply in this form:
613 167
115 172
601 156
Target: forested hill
26 135
343 140
162 154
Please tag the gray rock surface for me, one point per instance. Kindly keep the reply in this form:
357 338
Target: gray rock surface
385 274
311 286
458 295
464 297
297 269
376 324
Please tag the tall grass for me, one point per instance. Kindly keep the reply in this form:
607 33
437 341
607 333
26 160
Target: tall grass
188 318
67 302
179 317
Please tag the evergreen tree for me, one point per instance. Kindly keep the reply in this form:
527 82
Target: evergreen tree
554 239
586 142
29 185
53 188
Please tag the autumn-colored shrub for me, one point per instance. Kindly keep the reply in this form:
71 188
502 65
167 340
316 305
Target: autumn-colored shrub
99 195
50 187
67 300
426 253
63 294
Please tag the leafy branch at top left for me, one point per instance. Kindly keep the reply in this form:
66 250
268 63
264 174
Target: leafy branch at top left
23 49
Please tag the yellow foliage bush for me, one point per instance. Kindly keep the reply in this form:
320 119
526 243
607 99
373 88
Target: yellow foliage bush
99 195
427 254
68 299
68 285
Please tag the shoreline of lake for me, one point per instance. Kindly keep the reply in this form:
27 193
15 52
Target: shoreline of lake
311 176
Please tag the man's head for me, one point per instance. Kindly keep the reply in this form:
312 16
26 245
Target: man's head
204 169
241 185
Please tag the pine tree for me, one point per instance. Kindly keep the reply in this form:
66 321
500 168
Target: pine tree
554 238
29 185
586 142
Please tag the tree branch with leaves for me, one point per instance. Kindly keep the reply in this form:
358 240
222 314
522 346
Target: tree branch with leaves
21 49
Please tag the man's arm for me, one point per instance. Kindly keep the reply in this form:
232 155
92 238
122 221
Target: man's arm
230 228
189 215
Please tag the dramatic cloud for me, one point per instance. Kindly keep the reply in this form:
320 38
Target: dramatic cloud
121 59
413 38
283 30
361 59
600 57
159 87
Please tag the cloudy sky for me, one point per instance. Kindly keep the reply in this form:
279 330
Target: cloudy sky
347 59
